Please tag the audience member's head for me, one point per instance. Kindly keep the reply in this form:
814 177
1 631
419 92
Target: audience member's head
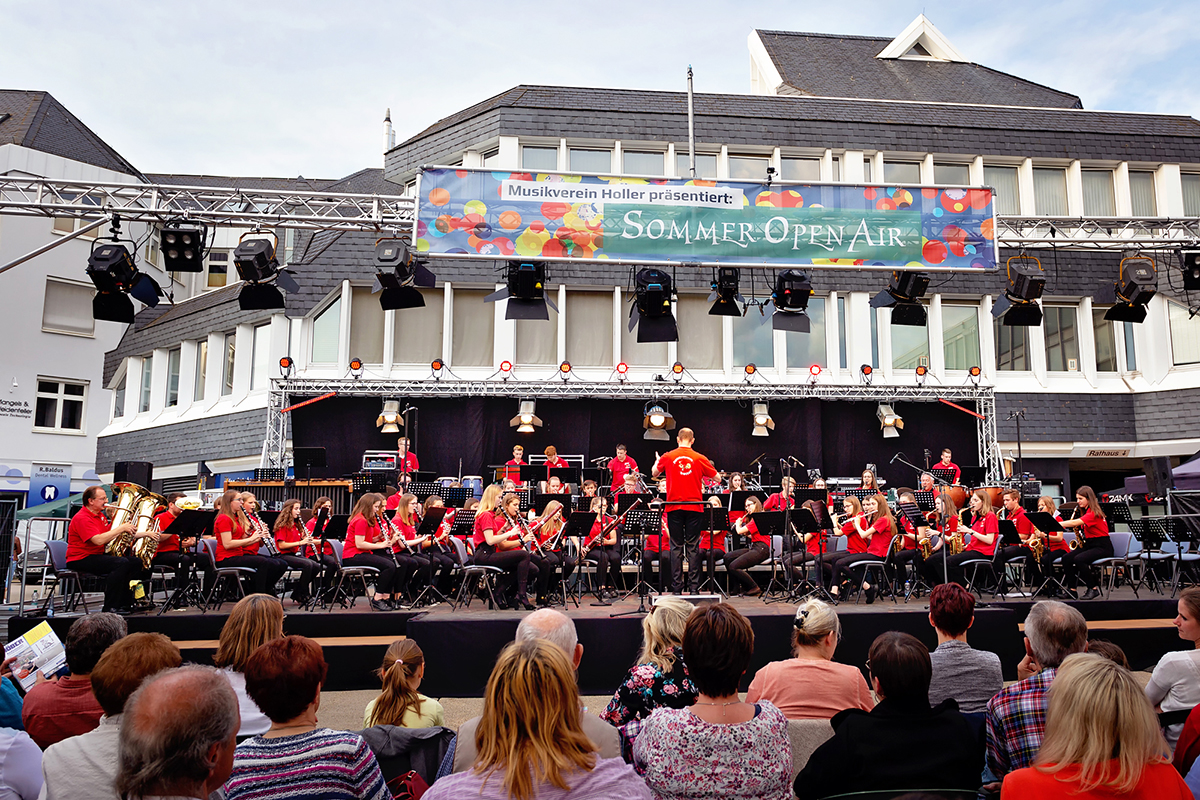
1054 631
401 673
556 628
951 609
811 628
717 645
900 666
88 638
662 631
1098 713
1111 651
178 735
284 676
254 621
531 728
125 665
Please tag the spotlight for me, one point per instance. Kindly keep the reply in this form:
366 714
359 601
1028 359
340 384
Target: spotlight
1136 284
112 271
792 292
657 420
356 367
725 293
182 246
974 374
651 310
505 369
677 371
436 366
922 374
889 421
622 371
1191 269
1018 307
750 369
286 366
903 296
814 372
763 423
526 419
256 263
390 420
564 370
398 274
525 290
865 373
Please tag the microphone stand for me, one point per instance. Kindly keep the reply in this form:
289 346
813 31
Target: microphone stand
941 518
785 472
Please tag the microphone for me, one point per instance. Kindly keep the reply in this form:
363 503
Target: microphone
893 461
796 461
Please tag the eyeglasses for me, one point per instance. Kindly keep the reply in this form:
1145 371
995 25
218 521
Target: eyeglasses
868 667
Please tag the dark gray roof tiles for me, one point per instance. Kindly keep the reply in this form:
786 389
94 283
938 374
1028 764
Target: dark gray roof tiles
297 184
365 181
1091 417
227 436
37 121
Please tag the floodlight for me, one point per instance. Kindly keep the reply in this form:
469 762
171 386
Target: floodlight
1136 285
865 373
524 289
725 293
398 274
651 310
526 420
793 289
903 296
763 423
1191 269
922 374
182 246
390 420
1018 306
286 366
975 373
356 367
657 420
889 421
112 271
255 261
436 366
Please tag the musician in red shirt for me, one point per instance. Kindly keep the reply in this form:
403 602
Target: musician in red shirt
290 541
737 562
628 485
238 542
984 532
498 544
855 544
441 540
1014 513
784 498
908 554
685 469
621 466
606 551
406 460
1097 544
87 534
549 556
171 553
807 546
875 528
555 486
432 564
946 463
516 462
366 546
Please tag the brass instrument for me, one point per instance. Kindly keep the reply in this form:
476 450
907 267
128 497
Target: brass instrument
926 546
1037 545
146 548
956 542
135 505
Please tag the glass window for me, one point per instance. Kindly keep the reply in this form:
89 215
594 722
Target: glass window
1106 341
59 405
1098 197
491 158
260 364
1130 351
643 164
842 349
1012 347
806 349
537 339
325 334
748 168
173 377
473 337
147 378
868 169
1004 181
366 326
64 224
1050 192
910 346
960 336
752 341
417 332
201 369
646 354
875 337
1191 195
700 335
901 172
539 158
590 160
837 169
590 329
952 174
1141 192
1185 335
801 169
706 165
1062 346
218 267
230 353
67 308
119 399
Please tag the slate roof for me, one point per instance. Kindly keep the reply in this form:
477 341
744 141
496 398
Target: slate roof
227 436
37 121
297 184
1089 417
827 65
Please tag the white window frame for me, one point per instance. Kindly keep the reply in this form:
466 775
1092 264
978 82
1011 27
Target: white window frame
60 396
55 279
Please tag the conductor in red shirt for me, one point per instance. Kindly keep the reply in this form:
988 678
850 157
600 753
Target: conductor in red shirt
685 470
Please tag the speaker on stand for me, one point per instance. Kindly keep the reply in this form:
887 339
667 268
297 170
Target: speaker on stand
139 472
1159 479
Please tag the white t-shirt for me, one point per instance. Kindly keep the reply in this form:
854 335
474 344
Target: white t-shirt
254 721
1175 685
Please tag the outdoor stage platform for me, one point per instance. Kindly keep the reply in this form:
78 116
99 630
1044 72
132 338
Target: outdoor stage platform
461 646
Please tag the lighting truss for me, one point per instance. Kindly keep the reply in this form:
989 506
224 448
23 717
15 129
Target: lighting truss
1096 233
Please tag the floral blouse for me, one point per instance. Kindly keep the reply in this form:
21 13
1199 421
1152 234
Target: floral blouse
646 688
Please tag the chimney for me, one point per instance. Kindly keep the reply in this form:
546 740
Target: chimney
389 136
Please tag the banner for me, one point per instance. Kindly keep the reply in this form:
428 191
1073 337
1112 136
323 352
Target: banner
488 214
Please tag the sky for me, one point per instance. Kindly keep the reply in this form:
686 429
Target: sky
268 88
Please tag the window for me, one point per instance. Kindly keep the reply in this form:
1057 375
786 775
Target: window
1012 347
1098 197
590 329
473 338
227 376
647 354
59 405
875 337
901 172
800 169
643 164
1185 335
842 350
537 339
1130 352
218 267
960 336
1141 192
70 224
64 224
260 363
910 346
119 399
837 169
706 164
417 332
868 165
325 333
201 369
1106 341
491 158
952 174
539 158
701 335
151 249
1050 192
748 168
590 160
173 377
147 383
1062 346
806 349
753 343
366 326
1191 194
1004 181
67 308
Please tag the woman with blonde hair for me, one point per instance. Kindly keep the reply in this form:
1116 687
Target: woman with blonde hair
660 678
400 703
1102 740
238 541
497 546
530 738
254 621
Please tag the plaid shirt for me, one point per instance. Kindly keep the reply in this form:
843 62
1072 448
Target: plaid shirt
1016 723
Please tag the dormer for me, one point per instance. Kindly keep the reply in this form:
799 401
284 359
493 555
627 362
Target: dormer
921 41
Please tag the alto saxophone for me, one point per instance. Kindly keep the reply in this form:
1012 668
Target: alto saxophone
1037 545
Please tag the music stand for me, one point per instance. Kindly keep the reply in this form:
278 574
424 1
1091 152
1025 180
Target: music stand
429 527
1046 523
578 526
641 523
862 494
806 493
566 475
594 474
464 524
423 489
943 475
455 496
540 501
810 525
716 520
925 500
532 473
972 476
625 500
1180 531
1117 512
190 523
582 502
308 457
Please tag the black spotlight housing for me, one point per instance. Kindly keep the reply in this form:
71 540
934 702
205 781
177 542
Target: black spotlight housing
651 311
725 293
525 283
793 289
903 296
255 260
1191 269
182 245
116 277
1018 306
1136 285
398 273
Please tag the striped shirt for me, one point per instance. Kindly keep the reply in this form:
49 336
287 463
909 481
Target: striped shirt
321 765
1016 723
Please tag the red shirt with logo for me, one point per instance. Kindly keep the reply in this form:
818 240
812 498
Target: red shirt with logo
985 525
881 539
167 544
83 526
685 470
619 469
227 524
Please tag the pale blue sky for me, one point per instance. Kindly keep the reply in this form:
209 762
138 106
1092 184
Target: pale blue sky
260 87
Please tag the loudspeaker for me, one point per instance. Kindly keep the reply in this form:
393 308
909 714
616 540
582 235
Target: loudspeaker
139 472
1158 475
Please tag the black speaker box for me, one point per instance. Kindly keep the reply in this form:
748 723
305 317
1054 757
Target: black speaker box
139 472
1158 475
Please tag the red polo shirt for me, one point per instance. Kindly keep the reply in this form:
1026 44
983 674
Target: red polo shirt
620 469
227 524
685 470
168 544
83 526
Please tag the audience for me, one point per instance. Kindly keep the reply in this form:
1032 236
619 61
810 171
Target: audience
720 746
1102 740
901 744
816 632
400 703
254 621
54 710
1109 650
1175 683
660 677
86 765
295 757
972 677
20 766
177 735
1016 717
530 740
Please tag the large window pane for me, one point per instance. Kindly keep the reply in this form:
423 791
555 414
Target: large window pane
1050 192
539 158
1106 341
706 165
1062 346
1191 195
474 334
201 370
842 349
952 174
1004 181
1185 335
417 332
218 268
1141 192
643 163
147 378
868 168
801 169
875 338
67 308
960 336
119 399
806 349
366 326
537 339
1098 197
589 329
173 377
699 333
1012 347
901 172
752 341
647 354
910 346
260 365
230 355
748 168
1130 351
325 334
590 160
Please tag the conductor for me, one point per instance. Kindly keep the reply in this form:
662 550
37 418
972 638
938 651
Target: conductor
685 469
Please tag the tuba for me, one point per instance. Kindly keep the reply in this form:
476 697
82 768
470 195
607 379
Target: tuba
135 504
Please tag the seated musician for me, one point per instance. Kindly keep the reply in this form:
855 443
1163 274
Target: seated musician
784 498
1056 544
909 552
606 551
875 528
433 566
739 561
589 488
1092 526
621 466
944 522
552 459
984 532
630 486
497 544
927 482
87 535
175 554
442 538
1014 513
289 541
321 511
555 486
869 481
712 546
844 524
367 546
550 556
657 547
507 485
238 542
807 546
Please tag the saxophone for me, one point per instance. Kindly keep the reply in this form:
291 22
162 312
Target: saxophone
926 546
1037 545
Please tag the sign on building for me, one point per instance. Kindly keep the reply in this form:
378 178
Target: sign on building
48 482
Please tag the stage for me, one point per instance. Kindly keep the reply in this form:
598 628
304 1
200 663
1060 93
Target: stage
461 646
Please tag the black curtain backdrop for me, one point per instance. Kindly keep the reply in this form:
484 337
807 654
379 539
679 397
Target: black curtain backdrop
837 437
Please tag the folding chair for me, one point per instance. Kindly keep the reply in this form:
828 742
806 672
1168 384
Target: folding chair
236 573
64 576
1117 561
472 574
344 572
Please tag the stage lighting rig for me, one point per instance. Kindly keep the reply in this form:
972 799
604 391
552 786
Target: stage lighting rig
763 424
657 420
866 373
903 296
356 368
889 421
622 371
1191 269
814 372
436 367
256 264
677 371
793 289
651 310
113 271
1018 306
526 420
286 366
974 374
398 274
728 300
390 420
182 244
922 374
1136 285
525 283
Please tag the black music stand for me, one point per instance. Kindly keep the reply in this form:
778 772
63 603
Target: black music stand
308 457
455 496
804 494
532 473
594 474
862 494
582 502
926 501
972 476
770 524
423 489
566 475
429 527
190 523
578 525
335 529
1179 529
943 475
716 520
913 513
464 524
624 501
1152 537
641 524
810 525
540 501
525 499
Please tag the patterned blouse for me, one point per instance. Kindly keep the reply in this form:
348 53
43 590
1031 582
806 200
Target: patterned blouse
646 688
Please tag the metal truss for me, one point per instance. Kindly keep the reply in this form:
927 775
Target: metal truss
987 440
1097 233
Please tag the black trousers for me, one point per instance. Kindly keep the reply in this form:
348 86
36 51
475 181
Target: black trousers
902 559
548 565
608 563
737 562
390 575
709 559
179 562
842 562
118 571
1077 562
956 573
1048 559
685 528
517 563
649 557
441 566
308 570
267 570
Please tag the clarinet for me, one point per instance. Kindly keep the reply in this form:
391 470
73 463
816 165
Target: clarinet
322 520
268 540
387 530
444 545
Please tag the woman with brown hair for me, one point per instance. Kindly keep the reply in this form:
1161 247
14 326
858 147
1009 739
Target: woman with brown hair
738 562
1097 544
984 533
254 621
1174 685
497 546
530 739
400 703
237 544
365 546
433 566
289 542
551 555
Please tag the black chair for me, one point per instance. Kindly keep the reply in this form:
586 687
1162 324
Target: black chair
344 572
472 574
222 574
64 576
